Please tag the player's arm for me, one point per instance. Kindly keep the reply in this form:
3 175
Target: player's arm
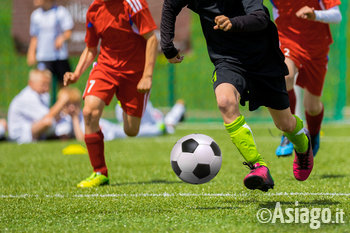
145 83
171 8
86 59
331 15
31 58
255 19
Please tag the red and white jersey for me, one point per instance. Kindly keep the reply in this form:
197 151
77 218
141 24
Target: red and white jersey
310 35
119 24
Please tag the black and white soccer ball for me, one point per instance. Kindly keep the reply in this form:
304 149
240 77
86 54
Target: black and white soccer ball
196 158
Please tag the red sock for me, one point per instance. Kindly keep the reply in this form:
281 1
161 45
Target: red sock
95 146
292 100
314 122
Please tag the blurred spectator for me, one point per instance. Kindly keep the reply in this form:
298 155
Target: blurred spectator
50 28
153 122
3 128
29 117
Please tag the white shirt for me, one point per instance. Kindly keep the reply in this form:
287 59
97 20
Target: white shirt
46 26
25 109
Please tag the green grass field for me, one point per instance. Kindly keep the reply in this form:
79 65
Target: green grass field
38 193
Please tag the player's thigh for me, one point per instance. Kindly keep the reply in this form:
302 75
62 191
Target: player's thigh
101 86
228 84
292 69
132 102
312 75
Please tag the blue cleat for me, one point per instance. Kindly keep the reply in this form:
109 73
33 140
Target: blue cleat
315 142
285 148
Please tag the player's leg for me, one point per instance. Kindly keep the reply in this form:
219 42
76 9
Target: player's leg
99 92
286 147
311 78
227 97
314 115
131 124
92 111
293 129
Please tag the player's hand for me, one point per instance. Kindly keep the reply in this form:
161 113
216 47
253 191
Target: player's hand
223 23
69 77
177 59
144 84
306 13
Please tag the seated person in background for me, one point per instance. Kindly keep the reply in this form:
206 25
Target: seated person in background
153 122
3 128
30 117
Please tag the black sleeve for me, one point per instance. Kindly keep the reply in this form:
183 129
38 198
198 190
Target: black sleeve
171 8
255 21
256 18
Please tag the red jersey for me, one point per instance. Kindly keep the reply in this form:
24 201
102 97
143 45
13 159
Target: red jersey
120 25
312 36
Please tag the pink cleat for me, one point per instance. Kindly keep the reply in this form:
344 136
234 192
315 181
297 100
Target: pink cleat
258 178
303 162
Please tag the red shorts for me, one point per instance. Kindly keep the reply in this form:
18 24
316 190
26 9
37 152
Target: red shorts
104 85
312 69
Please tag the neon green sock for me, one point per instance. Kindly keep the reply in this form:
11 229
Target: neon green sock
298 137
242 137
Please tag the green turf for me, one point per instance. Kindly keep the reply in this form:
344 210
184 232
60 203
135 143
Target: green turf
38 194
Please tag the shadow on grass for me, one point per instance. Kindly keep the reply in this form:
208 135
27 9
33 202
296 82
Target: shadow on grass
314 203
147 182
332 176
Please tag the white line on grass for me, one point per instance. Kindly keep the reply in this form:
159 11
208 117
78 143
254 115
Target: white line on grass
116 195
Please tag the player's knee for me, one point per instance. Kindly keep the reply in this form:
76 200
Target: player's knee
225 103
313 109
131 132
91 115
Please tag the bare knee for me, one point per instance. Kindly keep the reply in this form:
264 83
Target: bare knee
313 108
226 104
131 132
91 116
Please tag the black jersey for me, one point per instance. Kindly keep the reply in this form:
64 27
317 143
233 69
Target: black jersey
251 45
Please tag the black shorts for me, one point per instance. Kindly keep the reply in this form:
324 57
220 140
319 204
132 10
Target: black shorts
58 68
259 90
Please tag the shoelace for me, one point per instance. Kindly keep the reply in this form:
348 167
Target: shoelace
303 160
251 167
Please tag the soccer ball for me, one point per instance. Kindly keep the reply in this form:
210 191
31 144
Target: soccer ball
196 158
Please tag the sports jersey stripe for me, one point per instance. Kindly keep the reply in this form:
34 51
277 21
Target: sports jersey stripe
132 6
145 100
138 4
321 5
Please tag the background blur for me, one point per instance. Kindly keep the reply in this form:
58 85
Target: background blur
189 81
